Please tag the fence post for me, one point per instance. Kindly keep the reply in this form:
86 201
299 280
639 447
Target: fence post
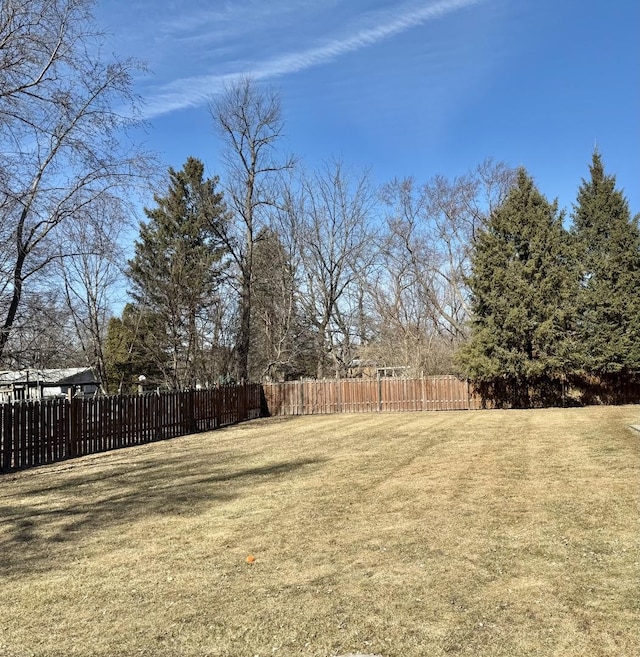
217 407
72 439
191 411
242 394
379 392
301 388
6 440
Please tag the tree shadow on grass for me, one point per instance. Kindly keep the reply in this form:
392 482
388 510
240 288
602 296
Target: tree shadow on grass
39 518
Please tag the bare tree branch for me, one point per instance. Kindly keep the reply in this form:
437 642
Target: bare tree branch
61 138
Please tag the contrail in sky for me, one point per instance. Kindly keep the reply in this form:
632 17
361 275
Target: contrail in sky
196 90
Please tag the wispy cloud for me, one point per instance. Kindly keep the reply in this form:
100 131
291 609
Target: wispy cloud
194 91
235 16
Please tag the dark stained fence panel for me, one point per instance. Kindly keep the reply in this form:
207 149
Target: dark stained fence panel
50 430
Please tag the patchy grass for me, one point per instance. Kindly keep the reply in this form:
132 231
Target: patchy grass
502 533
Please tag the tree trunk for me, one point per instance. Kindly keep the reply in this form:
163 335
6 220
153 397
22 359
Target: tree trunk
244 333
17 288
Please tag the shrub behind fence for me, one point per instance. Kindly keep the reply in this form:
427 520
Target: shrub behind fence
45 431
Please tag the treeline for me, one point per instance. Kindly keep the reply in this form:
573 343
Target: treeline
279 274
270 271
478 276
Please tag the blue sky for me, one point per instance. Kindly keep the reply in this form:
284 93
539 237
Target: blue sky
404 87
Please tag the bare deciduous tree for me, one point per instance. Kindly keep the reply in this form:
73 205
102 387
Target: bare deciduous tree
338 245
90 272
421 295
44 335
275 321
63 113
457 209
249 121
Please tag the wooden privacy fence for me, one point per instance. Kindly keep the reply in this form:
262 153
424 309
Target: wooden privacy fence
39 432
436 393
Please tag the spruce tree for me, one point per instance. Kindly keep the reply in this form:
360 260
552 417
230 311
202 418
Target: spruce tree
521 289
607 244
176 270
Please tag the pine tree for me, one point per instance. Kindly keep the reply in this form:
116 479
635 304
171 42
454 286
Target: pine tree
131 351
521 289
176 271
607 243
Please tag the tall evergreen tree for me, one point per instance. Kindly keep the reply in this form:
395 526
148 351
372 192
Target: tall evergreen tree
521 286
607 242
177 268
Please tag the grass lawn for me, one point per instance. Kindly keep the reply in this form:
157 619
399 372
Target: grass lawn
483 533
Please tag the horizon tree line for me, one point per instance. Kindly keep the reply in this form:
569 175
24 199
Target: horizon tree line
498 291
270 271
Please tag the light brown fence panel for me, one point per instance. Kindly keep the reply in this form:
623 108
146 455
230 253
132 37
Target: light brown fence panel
432 400
347 397
326 396
253 404
369 395
278 398
352 396
313 400
398 395
284 398
316 398
439 395
357 395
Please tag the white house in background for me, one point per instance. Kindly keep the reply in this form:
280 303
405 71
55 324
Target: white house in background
42 384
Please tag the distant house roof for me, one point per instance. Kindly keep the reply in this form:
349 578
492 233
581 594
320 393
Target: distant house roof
66 376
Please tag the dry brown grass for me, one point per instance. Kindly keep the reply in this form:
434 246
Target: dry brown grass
463 533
